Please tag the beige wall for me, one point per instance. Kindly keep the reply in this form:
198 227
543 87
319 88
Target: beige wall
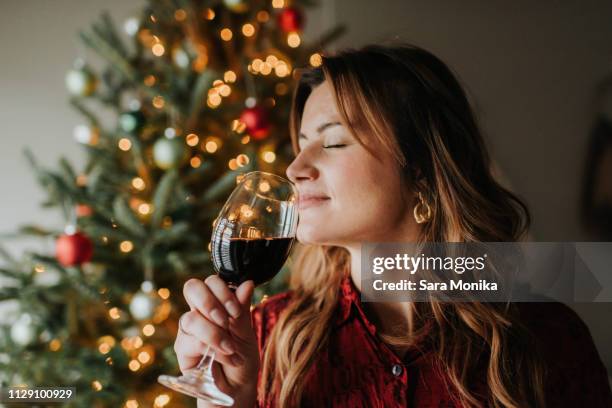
529 66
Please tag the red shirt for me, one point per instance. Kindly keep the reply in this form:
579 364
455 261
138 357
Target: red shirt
357 369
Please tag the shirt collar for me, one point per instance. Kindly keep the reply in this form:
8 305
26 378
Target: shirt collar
349 302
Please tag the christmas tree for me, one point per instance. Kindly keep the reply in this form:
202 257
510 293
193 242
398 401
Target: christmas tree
199 95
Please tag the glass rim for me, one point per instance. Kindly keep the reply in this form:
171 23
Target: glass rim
276 176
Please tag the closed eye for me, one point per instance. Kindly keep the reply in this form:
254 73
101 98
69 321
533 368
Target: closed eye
334 146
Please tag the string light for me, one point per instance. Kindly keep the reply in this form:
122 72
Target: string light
104 348
316 59
158 50
81 180
150 80
269 157
266 68
180 15
293 40
162 400
131 404
164 293
192 139
125 144
232 164
195 162
138 183
263 16
226 34
212 144
238 126
281 88
114 313
248 30
96 385
144 357
126 246
144 208
257 64
158 101
148 330
225 90
55 345
281 69
229 76
209 14
134 365
39 268
242 160
278 3
245 139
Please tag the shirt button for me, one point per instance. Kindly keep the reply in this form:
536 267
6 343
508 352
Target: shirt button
396 370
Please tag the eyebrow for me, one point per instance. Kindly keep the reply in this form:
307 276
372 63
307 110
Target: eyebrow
322 127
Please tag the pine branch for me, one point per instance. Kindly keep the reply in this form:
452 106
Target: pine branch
224 183
126 218
162 195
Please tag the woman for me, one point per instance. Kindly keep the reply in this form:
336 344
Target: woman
388 150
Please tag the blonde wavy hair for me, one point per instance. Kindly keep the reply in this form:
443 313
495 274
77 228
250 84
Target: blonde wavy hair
410 105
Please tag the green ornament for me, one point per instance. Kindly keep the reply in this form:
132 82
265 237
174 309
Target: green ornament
131 121
169 153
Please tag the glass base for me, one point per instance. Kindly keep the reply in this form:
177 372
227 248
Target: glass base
199 384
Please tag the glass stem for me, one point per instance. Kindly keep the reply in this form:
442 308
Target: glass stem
206 362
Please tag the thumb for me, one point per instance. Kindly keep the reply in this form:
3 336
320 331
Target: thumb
244 294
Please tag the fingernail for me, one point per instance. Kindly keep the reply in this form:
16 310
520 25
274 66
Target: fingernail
236 360
227 346
218 317
233 308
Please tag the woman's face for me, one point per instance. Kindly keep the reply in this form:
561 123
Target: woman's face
347 196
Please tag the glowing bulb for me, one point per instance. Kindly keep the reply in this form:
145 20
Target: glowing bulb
144 208
180 15
232 164
263 16
162 400
195 162
225 90
158 101
316 59
266 68
150 80
192 139
55 345
138 183
131 403
248 30
148 330
158 50
144 357
125 144
278 3
226 34
209 14
293 40
39 268
257 64
211 146
96 385
134 365
126 246
114 313
229 76
104 348
164 293
269 157
245 139
242 160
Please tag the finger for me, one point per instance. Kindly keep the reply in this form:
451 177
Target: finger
189 351
223 293
193 323
200 298
244 294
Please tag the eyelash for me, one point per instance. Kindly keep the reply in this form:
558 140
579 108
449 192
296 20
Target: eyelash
335 146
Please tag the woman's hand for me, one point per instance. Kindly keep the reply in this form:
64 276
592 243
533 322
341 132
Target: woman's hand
222 319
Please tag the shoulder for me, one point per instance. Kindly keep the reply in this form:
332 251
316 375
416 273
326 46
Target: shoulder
265 315
574 370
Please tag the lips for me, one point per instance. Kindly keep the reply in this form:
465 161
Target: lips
311 200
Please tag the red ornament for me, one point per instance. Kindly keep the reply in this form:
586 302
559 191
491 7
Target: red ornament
73 249
291 19
256 121
83 210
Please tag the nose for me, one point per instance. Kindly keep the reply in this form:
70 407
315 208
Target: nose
301 169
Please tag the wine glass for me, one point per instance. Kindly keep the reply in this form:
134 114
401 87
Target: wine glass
251 240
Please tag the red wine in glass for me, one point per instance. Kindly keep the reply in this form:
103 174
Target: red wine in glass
251 240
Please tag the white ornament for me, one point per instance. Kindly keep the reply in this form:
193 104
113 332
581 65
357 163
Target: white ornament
143 304
23 331
131 26
181 58
47 278
85 134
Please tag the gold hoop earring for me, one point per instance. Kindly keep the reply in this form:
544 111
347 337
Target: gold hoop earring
418 215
